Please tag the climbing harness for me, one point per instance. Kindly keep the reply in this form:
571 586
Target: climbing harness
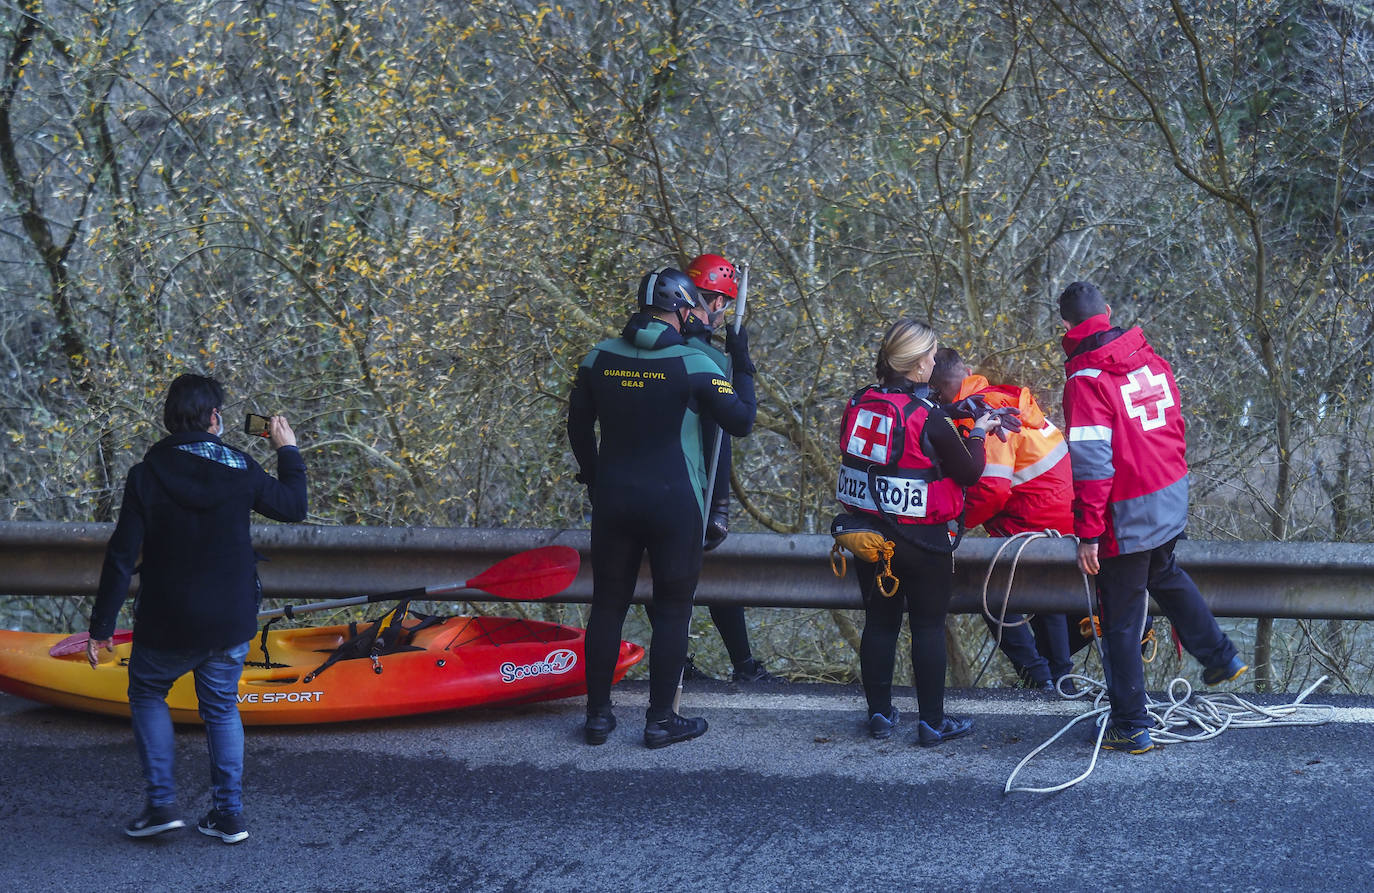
863 540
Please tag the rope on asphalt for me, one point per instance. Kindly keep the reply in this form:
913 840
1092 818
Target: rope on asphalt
1210 715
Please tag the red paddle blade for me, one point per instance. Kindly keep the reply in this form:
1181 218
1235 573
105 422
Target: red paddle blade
538 573
77 642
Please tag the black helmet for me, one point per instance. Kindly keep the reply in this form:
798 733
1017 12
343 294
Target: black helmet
667 289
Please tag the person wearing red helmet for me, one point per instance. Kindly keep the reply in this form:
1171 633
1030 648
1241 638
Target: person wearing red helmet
646 392
717 282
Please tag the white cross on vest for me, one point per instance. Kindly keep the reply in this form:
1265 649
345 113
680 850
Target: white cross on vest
1146 395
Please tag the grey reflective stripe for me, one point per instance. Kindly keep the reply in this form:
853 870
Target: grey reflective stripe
1001 472
1087 373
1042 465
1151 520
1092 461
649 290
1090 432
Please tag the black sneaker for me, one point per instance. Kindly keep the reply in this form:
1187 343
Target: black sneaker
675 728
692 673
949 728
599 725
154 820
753 671
880 726
228 828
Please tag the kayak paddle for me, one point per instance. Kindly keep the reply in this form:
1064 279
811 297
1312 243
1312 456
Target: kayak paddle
77 642
526 576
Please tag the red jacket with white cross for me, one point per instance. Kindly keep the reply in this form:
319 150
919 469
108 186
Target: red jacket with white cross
1124 418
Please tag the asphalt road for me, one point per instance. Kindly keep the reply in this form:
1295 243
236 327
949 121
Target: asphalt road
785 793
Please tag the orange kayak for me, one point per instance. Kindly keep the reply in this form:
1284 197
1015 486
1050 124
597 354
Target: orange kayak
455 663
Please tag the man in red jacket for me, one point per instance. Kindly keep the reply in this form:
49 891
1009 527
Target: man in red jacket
1026 486
1123 412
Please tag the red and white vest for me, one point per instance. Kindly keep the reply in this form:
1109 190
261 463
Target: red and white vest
884 469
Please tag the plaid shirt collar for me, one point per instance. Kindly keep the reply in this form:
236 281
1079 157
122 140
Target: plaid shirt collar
215 452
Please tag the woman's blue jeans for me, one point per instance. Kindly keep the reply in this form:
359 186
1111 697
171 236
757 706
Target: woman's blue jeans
151 674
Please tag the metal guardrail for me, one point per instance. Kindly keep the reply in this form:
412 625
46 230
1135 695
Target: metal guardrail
1238 579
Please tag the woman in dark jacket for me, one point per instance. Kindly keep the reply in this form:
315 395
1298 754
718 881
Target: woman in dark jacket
903 470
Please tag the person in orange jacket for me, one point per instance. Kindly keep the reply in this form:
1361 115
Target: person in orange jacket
1026 485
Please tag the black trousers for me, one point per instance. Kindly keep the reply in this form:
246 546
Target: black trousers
923 594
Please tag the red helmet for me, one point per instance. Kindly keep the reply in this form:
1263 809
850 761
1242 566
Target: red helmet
711 272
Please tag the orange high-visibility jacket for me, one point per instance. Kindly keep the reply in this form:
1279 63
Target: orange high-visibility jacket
1027 483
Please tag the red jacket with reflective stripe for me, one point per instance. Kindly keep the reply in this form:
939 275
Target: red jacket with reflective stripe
1027 483
1124 416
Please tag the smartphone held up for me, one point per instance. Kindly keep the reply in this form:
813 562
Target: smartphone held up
257 425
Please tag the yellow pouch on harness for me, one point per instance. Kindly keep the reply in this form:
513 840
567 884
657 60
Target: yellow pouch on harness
860 538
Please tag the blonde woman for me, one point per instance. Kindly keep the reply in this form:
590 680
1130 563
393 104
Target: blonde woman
903 470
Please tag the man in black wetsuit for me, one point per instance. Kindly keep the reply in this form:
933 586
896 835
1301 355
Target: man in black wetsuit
646 476
717 283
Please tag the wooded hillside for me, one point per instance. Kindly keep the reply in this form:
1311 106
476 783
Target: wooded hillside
402 224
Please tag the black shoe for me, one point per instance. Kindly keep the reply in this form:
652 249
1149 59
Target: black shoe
692 673
675 728
880 727
228 828
949 728
599 725
753 671
1066 687
154 820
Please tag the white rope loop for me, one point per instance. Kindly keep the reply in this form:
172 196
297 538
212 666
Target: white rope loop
1210 715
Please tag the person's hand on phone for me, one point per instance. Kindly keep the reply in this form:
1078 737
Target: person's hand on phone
280 433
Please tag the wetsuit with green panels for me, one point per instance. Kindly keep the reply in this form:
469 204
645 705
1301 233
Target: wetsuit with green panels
648 391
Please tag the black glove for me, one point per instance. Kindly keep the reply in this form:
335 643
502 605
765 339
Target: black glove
583 478
717 523
1011 421
971 407
737 346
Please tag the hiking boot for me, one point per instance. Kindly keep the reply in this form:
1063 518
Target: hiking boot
753 671
600 723
228 828
1226 672
949 728
881 727
1129 740
692 673
661 733
154 820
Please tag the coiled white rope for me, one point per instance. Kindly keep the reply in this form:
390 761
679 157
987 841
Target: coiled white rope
1209 714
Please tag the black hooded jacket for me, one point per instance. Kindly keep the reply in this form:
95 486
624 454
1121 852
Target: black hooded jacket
189 515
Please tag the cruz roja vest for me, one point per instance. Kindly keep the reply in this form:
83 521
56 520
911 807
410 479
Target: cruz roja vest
885 466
